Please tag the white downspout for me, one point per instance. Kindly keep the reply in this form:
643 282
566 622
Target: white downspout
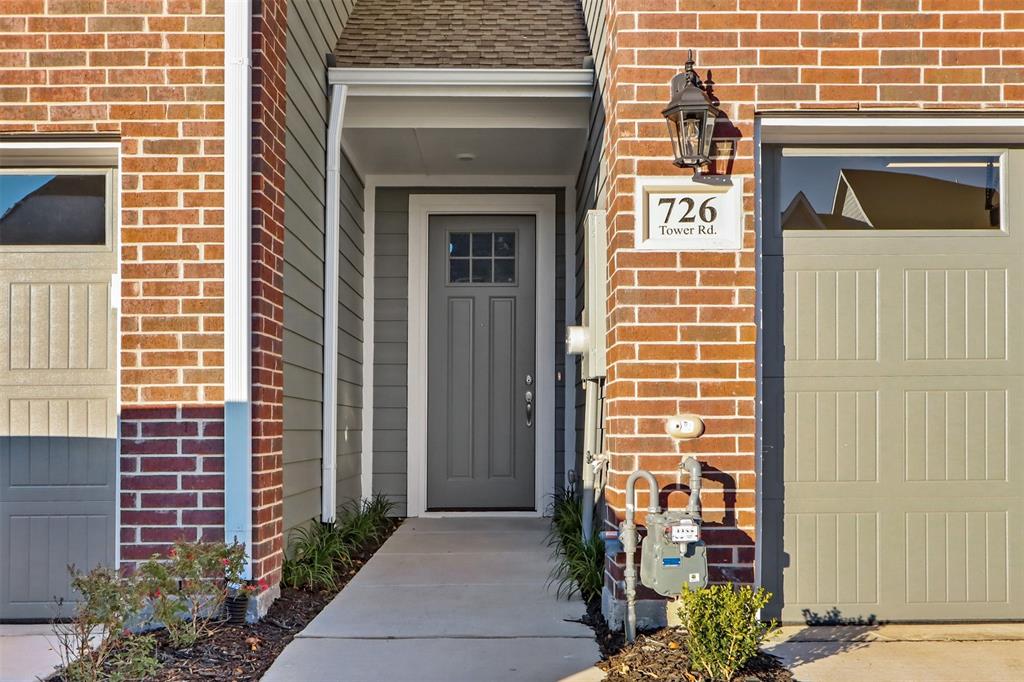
237 276
332 213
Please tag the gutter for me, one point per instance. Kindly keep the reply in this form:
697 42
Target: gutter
332 216
238 503
420 82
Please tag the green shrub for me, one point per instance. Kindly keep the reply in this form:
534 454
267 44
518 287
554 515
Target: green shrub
96 643
723 631
187 589
579 565
319 553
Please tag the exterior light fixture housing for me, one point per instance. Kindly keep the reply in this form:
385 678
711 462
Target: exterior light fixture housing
691 116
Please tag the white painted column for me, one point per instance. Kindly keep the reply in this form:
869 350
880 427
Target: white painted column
332 215
237 276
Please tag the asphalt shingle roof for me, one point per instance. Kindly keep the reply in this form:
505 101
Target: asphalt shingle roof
511 34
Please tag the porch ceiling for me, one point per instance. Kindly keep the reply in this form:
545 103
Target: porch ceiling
465 121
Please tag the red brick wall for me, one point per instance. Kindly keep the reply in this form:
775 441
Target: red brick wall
682 325
151 72
268 77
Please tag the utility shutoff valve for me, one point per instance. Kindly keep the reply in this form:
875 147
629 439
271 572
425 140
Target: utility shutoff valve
673 556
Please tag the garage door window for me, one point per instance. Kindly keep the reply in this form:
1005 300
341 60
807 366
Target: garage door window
44 208
880 190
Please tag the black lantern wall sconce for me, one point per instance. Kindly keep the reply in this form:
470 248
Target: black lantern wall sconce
691 116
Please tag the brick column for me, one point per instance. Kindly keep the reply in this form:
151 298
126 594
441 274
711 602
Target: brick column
268 171
682 331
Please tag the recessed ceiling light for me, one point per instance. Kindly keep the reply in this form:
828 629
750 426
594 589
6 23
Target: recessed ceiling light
465 156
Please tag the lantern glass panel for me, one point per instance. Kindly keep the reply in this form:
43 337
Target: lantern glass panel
691 137
709 134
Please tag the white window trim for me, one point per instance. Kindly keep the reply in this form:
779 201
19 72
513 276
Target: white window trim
421 206
940 128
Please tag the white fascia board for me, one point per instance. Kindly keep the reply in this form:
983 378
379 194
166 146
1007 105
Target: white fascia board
903 127
238 508
464 82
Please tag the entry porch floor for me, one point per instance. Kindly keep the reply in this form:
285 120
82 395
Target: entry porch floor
448 599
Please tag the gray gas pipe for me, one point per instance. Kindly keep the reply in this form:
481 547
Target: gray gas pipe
673 554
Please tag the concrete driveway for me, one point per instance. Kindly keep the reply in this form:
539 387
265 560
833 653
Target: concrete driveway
26 652
903 653
448 599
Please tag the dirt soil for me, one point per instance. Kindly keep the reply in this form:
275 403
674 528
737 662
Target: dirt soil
661 655
244 652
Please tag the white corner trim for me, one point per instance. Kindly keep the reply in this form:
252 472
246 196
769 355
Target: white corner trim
238 507
332 217
759 357
421 206
569 377
369 313
421 82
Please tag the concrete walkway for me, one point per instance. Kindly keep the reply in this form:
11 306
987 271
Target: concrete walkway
27 653
983 652
448 599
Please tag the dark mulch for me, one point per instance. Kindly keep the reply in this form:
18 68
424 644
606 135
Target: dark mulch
661 655
244 652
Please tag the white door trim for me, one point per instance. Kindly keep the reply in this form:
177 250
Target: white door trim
421 206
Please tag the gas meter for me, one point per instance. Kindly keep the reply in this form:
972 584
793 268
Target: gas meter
673 556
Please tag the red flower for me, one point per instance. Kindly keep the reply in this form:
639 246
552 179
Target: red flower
172 553
263 585
225 562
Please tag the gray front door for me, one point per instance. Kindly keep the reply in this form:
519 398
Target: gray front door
481 377
57 386
894 385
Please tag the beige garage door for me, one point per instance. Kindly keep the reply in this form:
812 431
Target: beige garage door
57 382
893 364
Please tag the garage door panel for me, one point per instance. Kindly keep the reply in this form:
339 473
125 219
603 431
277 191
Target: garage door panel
831 314
832 558
955 314
41 544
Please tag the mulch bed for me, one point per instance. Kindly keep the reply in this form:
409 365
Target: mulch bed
661 655
244 652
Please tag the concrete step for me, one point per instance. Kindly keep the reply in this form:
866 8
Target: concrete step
533 659
449 611
492 568
465 542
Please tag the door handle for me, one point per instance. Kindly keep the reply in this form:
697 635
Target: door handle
529 408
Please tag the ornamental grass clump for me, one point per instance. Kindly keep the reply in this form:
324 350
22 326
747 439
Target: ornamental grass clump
722 627
579 564
321 553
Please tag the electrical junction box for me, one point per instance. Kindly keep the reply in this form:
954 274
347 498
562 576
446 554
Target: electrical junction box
673 556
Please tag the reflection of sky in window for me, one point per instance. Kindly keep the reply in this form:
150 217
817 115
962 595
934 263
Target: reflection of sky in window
817 176
14 188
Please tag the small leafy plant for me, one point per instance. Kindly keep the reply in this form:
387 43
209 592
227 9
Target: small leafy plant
187 590
97 644
579 564
723 630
